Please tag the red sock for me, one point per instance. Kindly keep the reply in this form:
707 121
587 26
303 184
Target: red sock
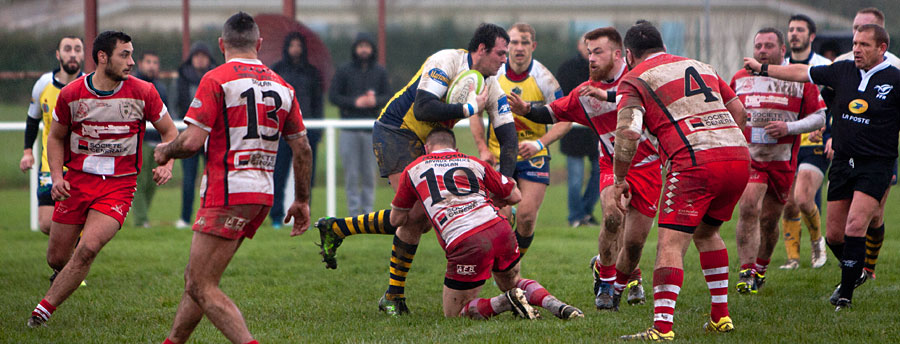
533 291
750 266
621 281
666 286
481 306
761 265
636 275
715 270
168 341
43 310
252 342
608 273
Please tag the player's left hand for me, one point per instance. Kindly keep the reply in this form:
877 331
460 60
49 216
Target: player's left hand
816 136
592 91
162 174
299 211
158 154
517 105
752 65
527 149
777 129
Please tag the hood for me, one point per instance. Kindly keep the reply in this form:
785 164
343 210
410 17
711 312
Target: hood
364 37
304 56
187 69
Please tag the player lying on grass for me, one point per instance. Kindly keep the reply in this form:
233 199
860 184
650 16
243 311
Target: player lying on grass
460 195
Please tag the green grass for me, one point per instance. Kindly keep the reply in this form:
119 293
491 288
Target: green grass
287 296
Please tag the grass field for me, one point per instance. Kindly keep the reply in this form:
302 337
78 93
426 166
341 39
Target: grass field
287 296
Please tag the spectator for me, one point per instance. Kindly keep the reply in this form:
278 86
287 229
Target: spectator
360 89
578 144
306 80
148 70
198 62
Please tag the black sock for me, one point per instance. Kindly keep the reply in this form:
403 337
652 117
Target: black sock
874 239
524 242
837 250
852 264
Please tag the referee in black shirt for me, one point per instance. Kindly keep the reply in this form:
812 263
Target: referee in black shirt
866 122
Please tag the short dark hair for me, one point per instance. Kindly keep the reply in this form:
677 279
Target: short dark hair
777 33
879 33
106 42
875 12
146 53
609 32
240 31
810 24
441 136
487 34
643 38
68 37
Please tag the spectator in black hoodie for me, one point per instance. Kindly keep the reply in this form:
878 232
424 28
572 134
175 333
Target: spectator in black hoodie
306 80
148 70
200 60
360 89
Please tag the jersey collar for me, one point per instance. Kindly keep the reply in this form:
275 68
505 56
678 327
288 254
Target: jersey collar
868 75
247 61
58 84
88 81
445 150
511 74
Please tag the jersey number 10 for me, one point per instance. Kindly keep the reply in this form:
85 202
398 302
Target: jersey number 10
449 183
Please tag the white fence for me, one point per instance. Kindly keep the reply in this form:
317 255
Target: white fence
329 125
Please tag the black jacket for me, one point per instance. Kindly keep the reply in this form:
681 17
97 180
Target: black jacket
303 77
357 77
580 141
151 136
189 79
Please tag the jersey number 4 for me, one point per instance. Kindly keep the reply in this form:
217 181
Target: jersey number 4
449 183
691 74
252 119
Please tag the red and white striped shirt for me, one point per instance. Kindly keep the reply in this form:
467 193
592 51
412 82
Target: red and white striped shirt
454 189
106 130
246 108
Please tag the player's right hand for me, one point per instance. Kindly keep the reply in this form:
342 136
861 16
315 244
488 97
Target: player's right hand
517 105
752 65
622 193
27 162
60 190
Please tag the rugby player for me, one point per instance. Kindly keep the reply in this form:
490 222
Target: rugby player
864 140
804 199
398 138
97 131
70 54
462 206
240 111
698 121
778 112
530 80
615 267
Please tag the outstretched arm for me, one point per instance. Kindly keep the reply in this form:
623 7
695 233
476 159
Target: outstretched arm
791 72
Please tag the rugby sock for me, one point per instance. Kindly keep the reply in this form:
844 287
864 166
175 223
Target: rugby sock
813 223
874 239
252 342
378 222
621 281
666 286
402 255
43 310
606 273
760 266
792 237
715 270
538 296
836 249
524 242
479 309
635 275
169 341
852 264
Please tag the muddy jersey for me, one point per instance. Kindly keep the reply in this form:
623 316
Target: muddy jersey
684 101
106 129
768 99
434 77
601 117
246 108
536 86
455 189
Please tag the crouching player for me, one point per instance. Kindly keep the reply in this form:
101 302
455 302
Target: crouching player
455 189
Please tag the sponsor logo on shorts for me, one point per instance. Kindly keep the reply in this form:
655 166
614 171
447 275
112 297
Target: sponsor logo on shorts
465 269
883 91
688 211
201 221
62 209
235 223
440 76
118 208
858 106
536 163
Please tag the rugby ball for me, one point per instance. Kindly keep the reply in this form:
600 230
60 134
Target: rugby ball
466 83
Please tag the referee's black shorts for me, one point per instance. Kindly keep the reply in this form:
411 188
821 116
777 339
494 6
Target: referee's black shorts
870 176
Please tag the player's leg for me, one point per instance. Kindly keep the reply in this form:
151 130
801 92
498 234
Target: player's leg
862 208
603 265
61 245
45 216
527 211
768 235
875 237
748 234
403 251
809 181
714 263
637 228
790 223
45 202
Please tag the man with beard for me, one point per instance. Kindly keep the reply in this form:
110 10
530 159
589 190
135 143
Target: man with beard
530 80
70 54
295 68
778 112
804 199
360 89
97 130
623 234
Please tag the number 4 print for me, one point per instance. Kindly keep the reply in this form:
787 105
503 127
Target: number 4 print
691 74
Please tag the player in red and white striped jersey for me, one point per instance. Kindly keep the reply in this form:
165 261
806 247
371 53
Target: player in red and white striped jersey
461 195
779 111
240 111
697 119
97 128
